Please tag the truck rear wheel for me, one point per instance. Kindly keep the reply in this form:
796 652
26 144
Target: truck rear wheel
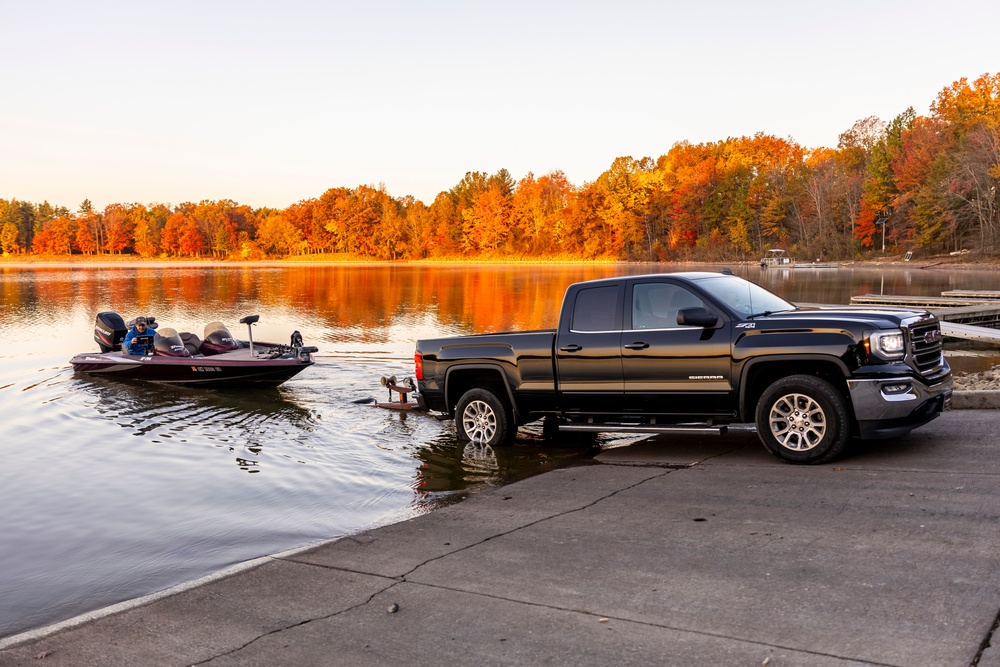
803 419
483 417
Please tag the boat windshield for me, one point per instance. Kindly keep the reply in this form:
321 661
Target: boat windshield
744 297
167 342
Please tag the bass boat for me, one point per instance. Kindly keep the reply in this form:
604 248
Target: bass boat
184 358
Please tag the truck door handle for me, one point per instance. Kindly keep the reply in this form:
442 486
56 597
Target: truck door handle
636 346
570 348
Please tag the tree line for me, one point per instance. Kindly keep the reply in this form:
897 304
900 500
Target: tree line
917 183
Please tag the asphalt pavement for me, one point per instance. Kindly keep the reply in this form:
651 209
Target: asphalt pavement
679 550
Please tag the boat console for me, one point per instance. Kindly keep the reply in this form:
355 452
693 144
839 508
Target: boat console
218 339
168 343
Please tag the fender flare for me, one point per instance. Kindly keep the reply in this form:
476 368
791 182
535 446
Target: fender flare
480 367
784 358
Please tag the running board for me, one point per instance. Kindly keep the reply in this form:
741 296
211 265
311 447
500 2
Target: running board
645 428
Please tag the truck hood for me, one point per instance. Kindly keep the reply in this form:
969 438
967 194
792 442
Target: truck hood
881 318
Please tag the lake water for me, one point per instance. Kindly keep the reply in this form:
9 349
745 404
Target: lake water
113 490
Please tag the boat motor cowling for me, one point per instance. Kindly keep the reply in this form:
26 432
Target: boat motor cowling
109 331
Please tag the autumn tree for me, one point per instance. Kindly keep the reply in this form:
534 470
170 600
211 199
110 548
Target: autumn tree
89 238
149 224
192 240
970 176
54 237
8 238
276 236
173 229
445 228
309 218
118 228
418 227
624 191
689 177
538 209
23 217
486 218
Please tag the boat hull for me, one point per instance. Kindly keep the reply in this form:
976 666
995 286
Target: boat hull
238 367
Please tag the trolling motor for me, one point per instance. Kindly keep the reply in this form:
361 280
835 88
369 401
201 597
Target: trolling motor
301 350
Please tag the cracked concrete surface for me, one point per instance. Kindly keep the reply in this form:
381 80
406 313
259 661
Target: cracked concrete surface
681 550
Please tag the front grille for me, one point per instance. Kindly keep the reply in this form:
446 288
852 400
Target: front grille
925 346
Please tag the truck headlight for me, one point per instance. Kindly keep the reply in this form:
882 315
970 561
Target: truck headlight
887 345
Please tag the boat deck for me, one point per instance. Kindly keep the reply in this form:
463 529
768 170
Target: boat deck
242 354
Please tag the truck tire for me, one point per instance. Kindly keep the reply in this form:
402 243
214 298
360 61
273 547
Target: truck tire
484 417
803 419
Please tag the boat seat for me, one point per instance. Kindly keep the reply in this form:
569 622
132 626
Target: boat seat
191 342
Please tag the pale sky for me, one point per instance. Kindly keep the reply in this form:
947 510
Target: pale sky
270 103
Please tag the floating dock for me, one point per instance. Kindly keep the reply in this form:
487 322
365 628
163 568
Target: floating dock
980 316
986 295
969 332
919 301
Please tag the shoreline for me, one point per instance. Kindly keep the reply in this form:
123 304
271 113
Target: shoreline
105 261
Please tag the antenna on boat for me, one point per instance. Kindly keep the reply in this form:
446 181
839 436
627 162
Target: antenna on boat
250 320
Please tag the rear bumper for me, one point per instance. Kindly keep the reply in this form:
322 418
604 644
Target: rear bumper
883 411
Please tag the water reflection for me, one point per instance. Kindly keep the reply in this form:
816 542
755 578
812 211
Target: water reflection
240 422
364 303
129 487
448 465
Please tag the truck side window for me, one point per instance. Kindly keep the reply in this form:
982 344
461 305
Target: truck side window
596 309
655 305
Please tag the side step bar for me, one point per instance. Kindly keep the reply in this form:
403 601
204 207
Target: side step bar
646 428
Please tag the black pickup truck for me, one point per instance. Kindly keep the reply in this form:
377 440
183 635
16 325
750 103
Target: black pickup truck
695 352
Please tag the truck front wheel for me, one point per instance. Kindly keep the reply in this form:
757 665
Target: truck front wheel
803 419
483 417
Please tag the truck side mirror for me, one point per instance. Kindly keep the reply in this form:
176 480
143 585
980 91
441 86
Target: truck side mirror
697 317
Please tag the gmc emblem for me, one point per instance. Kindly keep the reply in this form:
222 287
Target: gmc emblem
932 336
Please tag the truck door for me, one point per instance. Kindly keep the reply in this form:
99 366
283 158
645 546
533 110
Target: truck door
588 351
670 369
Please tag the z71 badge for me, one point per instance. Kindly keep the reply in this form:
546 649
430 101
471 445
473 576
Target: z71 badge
746 325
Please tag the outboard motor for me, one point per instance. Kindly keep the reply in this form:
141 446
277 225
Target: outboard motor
167 342
218 339
109 331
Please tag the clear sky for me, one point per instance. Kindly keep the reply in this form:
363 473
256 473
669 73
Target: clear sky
270 103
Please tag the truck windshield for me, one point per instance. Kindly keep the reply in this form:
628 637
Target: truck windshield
744 297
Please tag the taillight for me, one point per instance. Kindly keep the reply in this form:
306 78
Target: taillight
418 362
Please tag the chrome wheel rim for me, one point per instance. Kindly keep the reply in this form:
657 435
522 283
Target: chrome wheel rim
479 421
797 422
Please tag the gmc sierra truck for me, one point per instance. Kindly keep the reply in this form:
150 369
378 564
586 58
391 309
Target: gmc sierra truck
695 352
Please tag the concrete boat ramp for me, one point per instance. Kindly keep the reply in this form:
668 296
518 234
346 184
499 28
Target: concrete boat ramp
683 550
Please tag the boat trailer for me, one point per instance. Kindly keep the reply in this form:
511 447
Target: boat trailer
402 387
